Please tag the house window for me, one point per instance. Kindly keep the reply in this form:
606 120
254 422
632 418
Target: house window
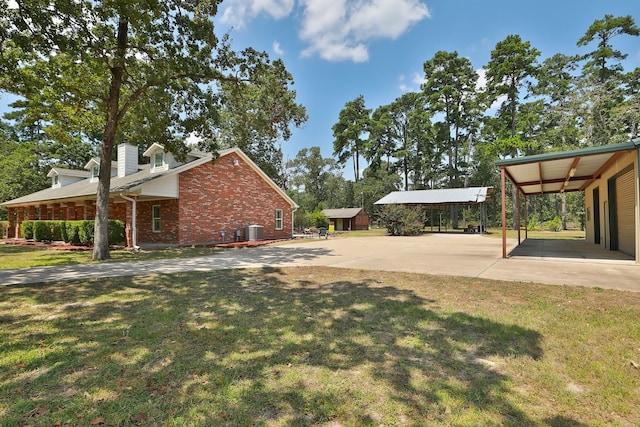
56 180
95 171
156 218
278 219
158 159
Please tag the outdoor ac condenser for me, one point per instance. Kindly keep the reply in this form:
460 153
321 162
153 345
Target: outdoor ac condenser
254 233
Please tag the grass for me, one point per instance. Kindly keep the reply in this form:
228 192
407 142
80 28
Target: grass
22 256
317 346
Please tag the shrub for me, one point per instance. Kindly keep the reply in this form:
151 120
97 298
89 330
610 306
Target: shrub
26 229
115 231
319 220
4 229
42 231
85 232
72 232
401 220
555 224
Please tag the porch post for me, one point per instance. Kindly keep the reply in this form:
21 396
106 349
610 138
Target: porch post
504 212
71 211
19 220
12 214
42 212
526 219
518 214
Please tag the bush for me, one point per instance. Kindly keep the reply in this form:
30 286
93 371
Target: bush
319 220
115 231
4 229
72 232
401 220
26 229
555 224
42 231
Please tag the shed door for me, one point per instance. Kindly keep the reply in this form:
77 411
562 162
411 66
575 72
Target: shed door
626 218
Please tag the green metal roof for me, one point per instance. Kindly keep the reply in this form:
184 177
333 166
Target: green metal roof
563 171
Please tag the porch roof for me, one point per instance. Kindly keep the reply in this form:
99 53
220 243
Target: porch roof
564 171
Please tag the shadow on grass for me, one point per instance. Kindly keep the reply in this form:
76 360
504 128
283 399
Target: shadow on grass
256 347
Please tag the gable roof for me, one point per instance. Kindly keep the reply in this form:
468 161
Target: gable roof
68 172
344 213
443 196
563 171
131 183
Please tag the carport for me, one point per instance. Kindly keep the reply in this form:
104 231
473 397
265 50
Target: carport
607 174
440 199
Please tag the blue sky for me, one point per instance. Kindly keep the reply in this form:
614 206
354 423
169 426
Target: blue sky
339 49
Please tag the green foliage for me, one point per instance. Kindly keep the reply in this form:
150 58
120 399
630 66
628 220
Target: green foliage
4 229
115 231
401 220
26 229
72 232
349 132
319 220
139 71
312 178
554 225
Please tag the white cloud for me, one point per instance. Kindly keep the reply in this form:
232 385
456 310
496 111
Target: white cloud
238 12
415 84
277 49
338 30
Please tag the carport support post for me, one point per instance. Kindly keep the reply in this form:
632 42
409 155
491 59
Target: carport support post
504 212
518 214
526 218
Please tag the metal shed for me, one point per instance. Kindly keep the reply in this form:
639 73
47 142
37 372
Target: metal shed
607 174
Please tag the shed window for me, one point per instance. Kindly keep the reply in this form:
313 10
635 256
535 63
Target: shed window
278 219
156 218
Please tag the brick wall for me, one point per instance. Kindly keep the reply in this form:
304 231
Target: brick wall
168 222
222 196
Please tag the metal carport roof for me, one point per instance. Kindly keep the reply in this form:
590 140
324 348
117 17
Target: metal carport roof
444 196
557 172
563 171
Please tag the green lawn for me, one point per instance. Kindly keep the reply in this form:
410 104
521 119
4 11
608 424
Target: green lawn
21 256
317 346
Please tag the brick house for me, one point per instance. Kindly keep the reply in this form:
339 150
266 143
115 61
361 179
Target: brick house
198 201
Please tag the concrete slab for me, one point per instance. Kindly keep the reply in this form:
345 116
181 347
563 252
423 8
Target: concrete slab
471 255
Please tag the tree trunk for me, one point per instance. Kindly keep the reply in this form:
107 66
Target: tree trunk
101 238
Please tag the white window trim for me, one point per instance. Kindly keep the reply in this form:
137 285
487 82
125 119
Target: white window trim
95 173
155 229
162 167
56 181
279 219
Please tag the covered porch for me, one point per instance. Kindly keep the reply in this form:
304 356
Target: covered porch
609 177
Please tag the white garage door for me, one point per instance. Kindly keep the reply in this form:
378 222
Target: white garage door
625 203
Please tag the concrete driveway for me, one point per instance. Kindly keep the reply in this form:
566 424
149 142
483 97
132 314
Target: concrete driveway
469 255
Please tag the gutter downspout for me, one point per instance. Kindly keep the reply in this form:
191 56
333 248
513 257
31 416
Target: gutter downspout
293 227
134 230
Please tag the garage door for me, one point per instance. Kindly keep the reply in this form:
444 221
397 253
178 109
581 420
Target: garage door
625 201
